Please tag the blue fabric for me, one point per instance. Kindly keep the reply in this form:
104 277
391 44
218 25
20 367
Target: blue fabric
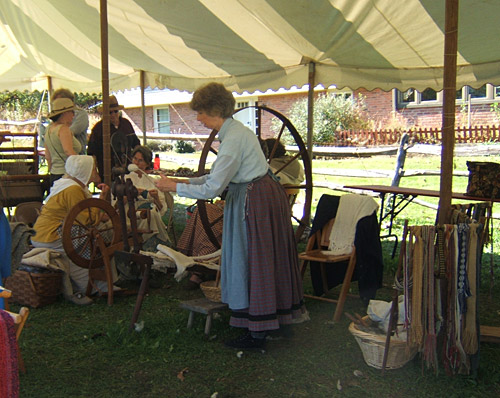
5 250
234 259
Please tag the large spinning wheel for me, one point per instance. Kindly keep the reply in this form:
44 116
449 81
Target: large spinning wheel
82 242
286 131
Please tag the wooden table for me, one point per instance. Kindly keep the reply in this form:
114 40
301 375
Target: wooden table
400 198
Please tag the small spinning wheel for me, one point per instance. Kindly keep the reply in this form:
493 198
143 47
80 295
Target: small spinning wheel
286 131
81 241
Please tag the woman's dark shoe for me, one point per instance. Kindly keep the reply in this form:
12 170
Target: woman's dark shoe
246 342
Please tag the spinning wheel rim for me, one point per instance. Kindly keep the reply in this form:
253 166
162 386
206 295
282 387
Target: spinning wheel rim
92 231
305 159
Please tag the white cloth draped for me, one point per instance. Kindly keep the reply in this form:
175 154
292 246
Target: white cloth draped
352 208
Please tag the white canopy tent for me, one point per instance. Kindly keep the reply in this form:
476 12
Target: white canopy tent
248 45
245 44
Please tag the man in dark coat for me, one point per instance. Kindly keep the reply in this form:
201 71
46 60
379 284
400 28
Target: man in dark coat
122 138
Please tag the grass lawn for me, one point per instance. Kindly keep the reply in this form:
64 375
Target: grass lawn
72 351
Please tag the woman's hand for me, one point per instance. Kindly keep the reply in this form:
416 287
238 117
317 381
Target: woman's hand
166 184
104 191
156 198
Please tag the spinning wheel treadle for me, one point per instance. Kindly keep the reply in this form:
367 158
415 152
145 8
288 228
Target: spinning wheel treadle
302 156
81 241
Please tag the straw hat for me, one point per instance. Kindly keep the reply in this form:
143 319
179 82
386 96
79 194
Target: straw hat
113 104
61 105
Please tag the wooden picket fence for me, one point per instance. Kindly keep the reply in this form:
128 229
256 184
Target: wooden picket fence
463 135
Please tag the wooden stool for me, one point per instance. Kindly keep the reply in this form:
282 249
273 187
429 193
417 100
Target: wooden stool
202 306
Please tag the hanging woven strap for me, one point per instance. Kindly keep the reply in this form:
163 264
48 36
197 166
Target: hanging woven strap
463 290
470 341
440 252
429 353
416 322
450 351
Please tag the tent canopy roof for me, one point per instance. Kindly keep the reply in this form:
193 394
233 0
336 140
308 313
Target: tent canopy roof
245 44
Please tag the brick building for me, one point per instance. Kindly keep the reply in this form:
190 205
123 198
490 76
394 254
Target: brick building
168 112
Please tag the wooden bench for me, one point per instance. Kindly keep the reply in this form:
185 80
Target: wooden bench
202 306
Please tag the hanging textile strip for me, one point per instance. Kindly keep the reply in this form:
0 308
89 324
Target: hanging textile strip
429 354
407 283
451 358
440 253
416 330
463 290
462 231
470 336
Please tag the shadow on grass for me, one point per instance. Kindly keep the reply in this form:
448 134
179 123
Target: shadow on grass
73 351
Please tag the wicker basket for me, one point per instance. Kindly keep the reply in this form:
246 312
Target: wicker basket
34 289
211 291
372 346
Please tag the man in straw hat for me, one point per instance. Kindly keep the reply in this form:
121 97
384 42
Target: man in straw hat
122 138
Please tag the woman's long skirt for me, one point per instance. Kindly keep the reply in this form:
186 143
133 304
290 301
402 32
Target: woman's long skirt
257 221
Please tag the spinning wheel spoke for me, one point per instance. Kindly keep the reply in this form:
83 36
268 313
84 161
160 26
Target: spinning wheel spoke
80 238
79 223
286 131
286 164
86 246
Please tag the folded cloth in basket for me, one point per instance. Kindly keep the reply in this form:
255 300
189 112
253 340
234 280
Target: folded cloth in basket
182 261
51 260
380 311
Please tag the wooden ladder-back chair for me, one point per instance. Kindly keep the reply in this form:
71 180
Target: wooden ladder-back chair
357 217
315 251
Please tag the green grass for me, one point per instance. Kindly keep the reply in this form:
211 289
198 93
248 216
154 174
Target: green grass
72 351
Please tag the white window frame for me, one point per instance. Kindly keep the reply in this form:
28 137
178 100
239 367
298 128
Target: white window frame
489 98
162 123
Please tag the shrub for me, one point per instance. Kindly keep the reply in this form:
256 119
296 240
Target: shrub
332 113
159 146
184 147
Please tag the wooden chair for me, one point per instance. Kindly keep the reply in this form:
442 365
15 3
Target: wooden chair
316 245
19 322
27 212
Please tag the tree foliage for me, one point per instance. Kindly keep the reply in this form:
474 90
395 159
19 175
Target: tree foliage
332 113
23 105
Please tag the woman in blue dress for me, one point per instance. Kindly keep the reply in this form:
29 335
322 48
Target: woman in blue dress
260 278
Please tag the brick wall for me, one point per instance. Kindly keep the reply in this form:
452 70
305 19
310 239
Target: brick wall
378 108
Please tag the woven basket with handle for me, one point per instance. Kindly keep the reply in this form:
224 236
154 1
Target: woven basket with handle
211 289
34 289
373 344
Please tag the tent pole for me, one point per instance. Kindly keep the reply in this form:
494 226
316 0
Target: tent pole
448 121
143 108
310 108
105 93
49 91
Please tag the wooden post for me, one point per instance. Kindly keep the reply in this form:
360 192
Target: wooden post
50 90
143 109
105 92
449 90
310 108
